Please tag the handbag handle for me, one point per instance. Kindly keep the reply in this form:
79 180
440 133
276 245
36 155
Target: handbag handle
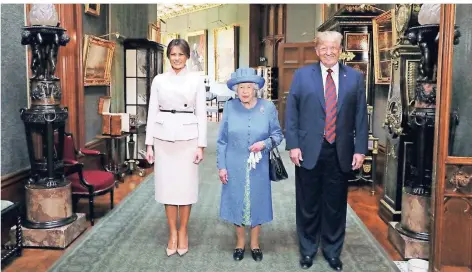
274 146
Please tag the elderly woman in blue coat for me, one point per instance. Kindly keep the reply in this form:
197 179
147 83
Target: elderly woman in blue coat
248 131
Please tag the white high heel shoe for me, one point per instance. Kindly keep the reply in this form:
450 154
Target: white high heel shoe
171 252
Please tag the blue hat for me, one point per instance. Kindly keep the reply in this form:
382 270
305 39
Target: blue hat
245 75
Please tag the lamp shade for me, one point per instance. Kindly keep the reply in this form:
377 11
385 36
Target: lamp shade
43 14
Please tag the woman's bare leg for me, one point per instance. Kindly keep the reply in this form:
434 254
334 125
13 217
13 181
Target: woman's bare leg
171 213
184 214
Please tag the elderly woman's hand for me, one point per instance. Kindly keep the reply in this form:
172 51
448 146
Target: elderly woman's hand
257 146
223 175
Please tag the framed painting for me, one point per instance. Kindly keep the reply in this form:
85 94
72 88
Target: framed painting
165 40
153 33
98 56
357 41
385 38
363 67
198 61
226 50
328 10
92 9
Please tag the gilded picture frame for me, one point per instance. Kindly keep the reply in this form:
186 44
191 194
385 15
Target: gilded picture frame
97 61
226 52
384 39
92 9
153 33
328 10
165 40
198 61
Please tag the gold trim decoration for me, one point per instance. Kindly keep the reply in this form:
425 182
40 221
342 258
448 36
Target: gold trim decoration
384 39
374 146
166 11
346 56
223 72
367 167
360 8
98 57
92 9
411 75
197 55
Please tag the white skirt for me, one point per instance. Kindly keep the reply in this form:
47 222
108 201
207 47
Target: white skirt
175 174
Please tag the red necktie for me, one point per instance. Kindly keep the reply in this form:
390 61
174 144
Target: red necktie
330 100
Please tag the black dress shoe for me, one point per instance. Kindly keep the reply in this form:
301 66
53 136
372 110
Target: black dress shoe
306 262
257 254
238 254
335 263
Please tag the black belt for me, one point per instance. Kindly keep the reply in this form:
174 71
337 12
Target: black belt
176 111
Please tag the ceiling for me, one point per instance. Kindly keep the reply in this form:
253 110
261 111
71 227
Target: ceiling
165 11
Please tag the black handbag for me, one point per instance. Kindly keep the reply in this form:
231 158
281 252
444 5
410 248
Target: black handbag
277 170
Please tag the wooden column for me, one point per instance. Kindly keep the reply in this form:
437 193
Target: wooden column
70 71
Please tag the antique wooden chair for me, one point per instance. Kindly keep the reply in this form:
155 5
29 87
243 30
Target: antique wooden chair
86 183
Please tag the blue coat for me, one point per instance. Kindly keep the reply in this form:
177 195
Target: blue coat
305 115
239 129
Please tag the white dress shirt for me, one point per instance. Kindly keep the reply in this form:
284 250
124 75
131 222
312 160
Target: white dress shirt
334 75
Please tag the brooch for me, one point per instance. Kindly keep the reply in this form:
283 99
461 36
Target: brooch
262 109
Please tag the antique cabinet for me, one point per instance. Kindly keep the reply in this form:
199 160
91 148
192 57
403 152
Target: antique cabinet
405 59
354 22
143 61
451 209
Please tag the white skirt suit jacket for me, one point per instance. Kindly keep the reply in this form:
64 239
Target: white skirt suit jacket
176 136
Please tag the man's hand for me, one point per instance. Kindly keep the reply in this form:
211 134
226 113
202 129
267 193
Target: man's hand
357 161
296 156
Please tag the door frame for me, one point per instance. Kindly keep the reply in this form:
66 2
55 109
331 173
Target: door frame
441 158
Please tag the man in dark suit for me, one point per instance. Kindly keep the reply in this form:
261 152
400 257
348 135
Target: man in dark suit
327 134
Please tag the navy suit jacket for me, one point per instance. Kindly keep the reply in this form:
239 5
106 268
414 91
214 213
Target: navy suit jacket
305 115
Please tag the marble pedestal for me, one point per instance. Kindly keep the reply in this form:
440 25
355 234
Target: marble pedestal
60 237
409 248
48 207
411 236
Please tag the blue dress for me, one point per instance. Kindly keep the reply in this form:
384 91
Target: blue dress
247 197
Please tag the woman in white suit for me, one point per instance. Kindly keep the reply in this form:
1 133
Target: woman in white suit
176 129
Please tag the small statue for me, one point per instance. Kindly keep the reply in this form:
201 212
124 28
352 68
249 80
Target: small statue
428 48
